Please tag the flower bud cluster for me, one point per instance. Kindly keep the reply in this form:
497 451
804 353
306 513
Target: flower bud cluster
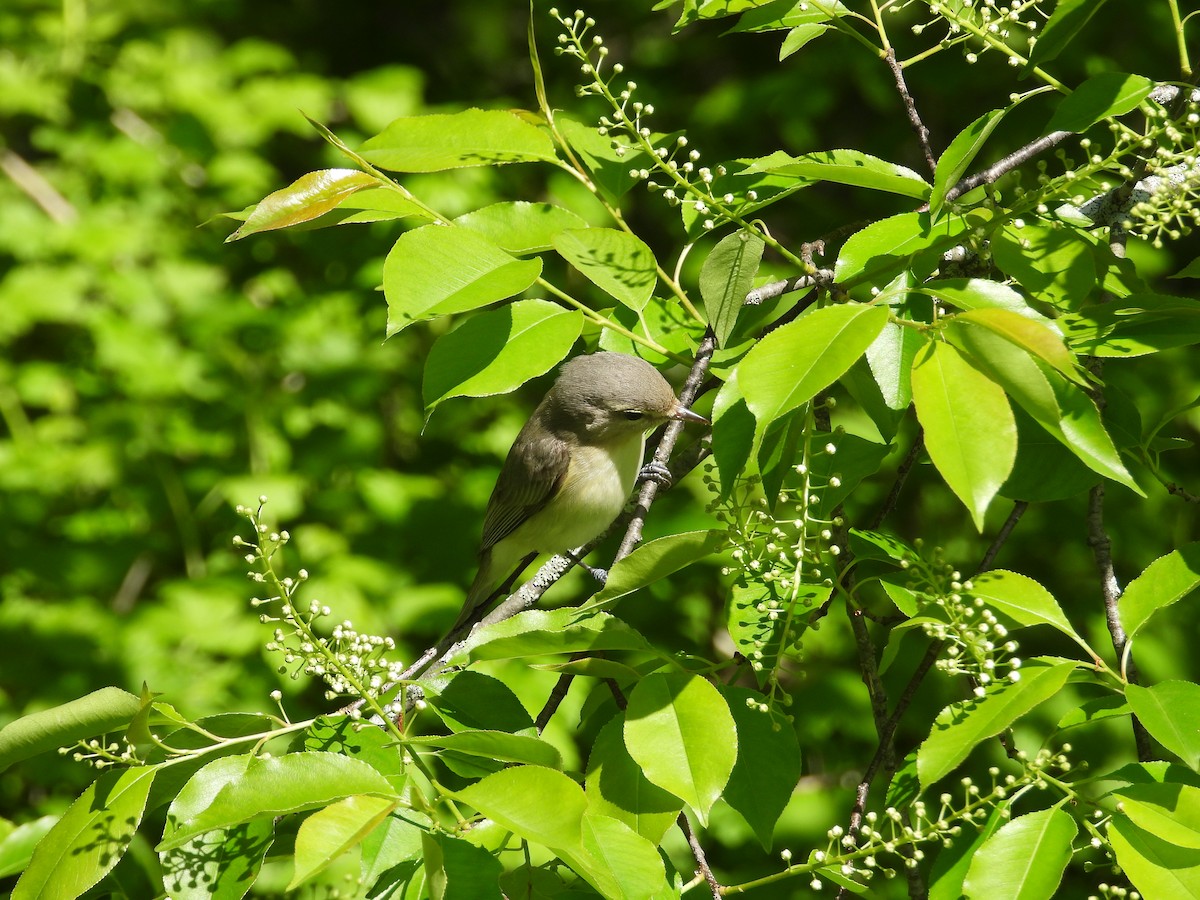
349 662
665 163
980 25
1167 199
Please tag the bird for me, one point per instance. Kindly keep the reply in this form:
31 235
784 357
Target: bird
572 467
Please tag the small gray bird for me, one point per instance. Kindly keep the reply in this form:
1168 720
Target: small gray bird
573 465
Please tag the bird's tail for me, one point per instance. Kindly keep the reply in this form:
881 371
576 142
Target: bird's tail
479 593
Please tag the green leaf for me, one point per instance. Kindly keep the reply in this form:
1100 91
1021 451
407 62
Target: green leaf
278 786
457 869
680 731
980 293
1025 859
768 764
1039 339
108 709
540 632
951 864
615 261
520 227
1191 270
1021 599
395 845
774 16
473 700
1102 96
620 862
334 830
885 247
90 838
850 167
1068 18
222 864
1170 811
1058 406
1056 265
609 170
970 432
1135 325
497 745
1165 581
658 559
17 845
963 725
435 270
890 358
791 364
1107 707
1157 868
473 137
303 200
344 735
726 278
538 804
732 432
798 37
1170 710
953 163
497 351
616 786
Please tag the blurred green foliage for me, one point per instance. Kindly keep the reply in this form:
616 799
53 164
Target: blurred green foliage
151 376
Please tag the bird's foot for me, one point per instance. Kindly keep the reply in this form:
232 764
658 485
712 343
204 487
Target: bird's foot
601 575
656 472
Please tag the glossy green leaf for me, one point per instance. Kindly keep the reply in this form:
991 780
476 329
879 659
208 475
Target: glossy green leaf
458 870
980 293
680 731
658 559
108 709
276 786
850 167
1056 265
1102 96
732 432
726 278
616 786
520 227
774 16
620 862
303 200
1170 811
1167 580
1170 711
17 845
1021 599
791 364
1037 338
615 261
90 838
885 247
953 163
497 745
395 845
334 830
1065 22
1157 868
538 804
969 428
1106 707
951 864
473 137
1058 406
768 764
497 351
1135 325
541 632
1024 859
963 725
222 864
473 700
798 37
890 358
436 270
608 169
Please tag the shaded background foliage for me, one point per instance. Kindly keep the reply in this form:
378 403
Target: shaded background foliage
151 377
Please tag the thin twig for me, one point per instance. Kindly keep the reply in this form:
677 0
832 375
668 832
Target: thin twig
37 188
698 853
910 107
893 497
1110 590
1002 535
1007 164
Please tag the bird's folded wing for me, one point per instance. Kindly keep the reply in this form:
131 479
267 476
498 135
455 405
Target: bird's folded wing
530 477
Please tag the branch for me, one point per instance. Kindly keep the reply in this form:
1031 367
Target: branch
893 497
1006 529
910 107
1006 165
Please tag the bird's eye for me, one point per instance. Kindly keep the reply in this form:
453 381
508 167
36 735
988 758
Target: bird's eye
633 414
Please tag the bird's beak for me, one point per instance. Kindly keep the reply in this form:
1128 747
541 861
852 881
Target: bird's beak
685 414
